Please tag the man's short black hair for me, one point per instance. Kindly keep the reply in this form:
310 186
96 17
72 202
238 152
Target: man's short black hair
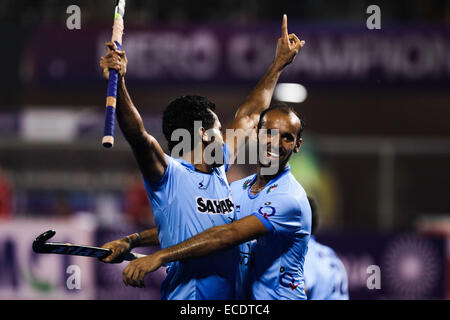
181 114
286 109
314 215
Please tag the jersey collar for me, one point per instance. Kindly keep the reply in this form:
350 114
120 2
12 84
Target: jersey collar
191 167
270 183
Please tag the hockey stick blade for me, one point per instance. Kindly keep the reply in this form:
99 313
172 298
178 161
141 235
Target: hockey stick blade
40 245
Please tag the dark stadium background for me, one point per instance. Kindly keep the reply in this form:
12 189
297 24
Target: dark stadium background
376 149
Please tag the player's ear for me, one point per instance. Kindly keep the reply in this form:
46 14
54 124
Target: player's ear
205 137
203 133
298 145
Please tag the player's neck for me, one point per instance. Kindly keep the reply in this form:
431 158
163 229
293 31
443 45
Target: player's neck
204 168
199 164
262 180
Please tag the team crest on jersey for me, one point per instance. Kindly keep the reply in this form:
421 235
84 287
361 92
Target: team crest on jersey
246 184
272 187
214 206
267 211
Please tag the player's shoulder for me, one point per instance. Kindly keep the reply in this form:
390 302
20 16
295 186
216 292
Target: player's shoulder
175 162
289 187
290 204
180 166
288 184
171 174
293 185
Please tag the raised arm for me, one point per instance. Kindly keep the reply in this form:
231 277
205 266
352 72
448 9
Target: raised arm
247 116
146 149
209 241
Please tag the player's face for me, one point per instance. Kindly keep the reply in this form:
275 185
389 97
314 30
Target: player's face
216 131
278 138
215 142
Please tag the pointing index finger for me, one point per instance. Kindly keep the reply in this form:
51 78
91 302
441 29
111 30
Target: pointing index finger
284 30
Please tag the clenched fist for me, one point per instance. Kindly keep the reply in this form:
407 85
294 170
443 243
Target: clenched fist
119 248
113 59
136 270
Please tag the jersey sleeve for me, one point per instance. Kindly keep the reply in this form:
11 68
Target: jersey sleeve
284 215
162 192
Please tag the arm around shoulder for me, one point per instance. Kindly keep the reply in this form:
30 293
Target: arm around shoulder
212 240
215 239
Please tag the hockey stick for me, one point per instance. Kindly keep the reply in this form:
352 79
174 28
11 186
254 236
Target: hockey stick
40 245
111 95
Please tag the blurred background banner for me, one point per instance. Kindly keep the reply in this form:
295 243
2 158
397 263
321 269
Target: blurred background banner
109 281
411 266
375 153
25 274
240 54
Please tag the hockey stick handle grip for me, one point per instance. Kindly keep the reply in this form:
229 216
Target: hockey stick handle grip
110 112
111 95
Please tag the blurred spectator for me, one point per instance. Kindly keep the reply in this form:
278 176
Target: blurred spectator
5 196
61 207
325 274
136 207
